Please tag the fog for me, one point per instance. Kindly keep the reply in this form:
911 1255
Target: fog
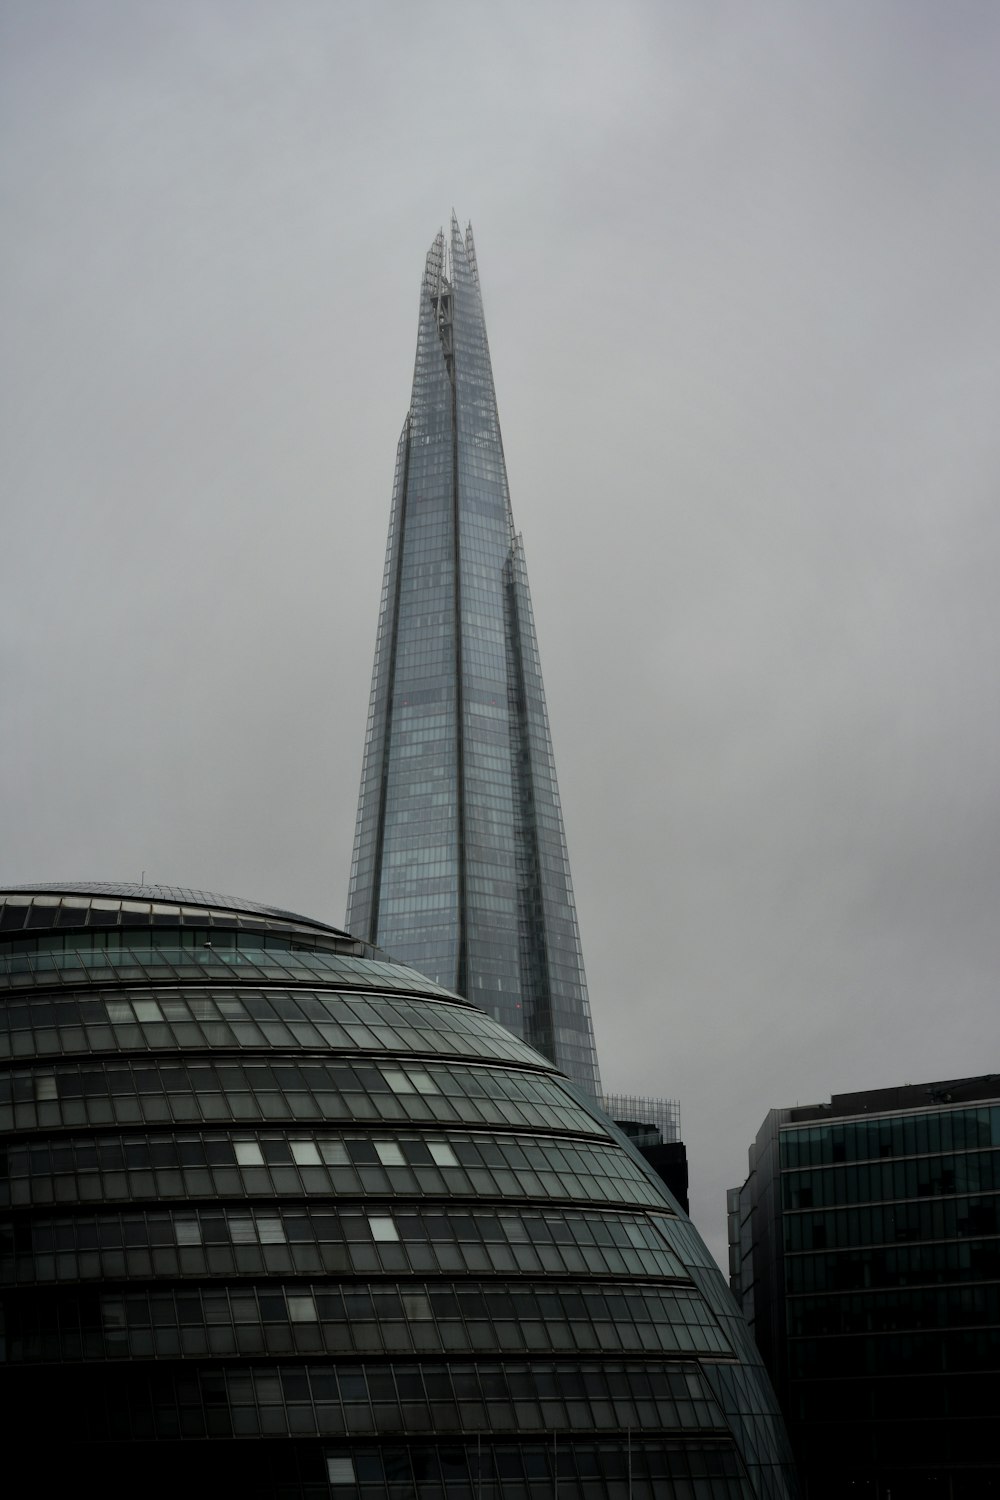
739 273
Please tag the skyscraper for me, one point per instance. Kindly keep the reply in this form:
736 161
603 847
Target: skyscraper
460 866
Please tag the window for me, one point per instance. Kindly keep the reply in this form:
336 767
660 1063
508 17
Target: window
248 1154
45 1086
340 1470
301 1307
382 1227
305 1153
389 1154
442 1154
188 1231
113 1318
271 1231
416 1306
334 1153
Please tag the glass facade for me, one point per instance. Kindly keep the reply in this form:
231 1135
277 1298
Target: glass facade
661 1118
460 865
282 1217
654 1128
865 1248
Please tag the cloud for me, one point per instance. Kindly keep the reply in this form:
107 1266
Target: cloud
738 275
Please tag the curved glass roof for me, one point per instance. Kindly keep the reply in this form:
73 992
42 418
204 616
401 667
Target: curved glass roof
181 895
300 1193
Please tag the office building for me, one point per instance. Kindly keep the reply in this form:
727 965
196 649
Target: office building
654 1128
460 866
865 1253
282 1218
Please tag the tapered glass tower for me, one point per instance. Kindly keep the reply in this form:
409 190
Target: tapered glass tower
460 866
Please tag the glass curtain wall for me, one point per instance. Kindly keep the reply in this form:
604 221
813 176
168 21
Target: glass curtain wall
291 1221
460 865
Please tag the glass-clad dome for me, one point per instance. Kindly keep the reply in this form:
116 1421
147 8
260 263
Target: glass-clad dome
283 1218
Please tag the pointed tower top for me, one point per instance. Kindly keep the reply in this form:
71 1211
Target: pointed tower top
436 264
470 251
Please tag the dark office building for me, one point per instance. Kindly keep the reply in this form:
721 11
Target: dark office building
460 865
282 1218
865 1252
654 1128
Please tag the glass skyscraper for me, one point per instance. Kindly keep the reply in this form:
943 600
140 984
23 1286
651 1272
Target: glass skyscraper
460 866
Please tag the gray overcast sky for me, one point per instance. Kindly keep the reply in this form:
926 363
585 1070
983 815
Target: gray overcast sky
740 273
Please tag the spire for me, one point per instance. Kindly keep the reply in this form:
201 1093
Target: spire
470 251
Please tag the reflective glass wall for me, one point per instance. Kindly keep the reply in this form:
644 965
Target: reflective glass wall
866 1252
460 865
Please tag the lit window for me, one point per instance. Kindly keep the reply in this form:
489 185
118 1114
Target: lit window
423 1082
340 1470
442 1154
147 1010
301 1308
241 1229
45 1086
248 1154
271 1231
334 1153
188 1231
119 1010
382 1227
397 1081
389 1154
305 1153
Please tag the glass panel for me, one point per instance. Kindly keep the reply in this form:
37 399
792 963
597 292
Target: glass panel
382 1227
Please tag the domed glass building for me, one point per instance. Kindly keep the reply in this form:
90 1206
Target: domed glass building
283 1218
